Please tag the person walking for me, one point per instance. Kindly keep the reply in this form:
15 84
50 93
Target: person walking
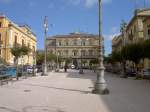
65 67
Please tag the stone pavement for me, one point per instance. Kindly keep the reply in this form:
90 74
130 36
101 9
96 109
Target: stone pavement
71 92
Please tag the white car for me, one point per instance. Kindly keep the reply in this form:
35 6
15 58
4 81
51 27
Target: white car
73 66
146 73
30 69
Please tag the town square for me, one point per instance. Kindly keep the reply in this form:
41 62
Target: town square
74 56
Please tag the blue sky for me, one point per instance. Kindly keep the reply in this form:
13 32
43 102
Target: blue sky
70 16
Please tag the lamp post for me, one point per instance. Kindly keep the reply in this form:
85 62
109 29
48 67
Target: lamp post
57 60
34 56
45 36
22 62
100 84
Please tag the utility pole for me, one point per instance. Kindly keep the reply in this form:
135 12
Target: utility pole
100 84
45 36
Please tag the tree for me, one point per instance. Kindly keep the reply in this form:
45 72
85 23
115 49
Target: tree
133 52
116 56
19 51
146 48
39 58
68 60
3 62
51 57
93 63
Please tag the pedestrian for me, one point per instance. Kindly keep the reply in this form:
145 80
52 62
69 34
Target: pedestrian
65 67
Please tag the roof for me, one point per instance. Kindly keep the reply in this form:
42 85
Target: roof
74 35
16 25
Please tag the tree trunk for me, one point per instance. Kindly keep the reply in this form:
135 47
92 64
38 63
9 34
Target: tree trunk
124 69
17 75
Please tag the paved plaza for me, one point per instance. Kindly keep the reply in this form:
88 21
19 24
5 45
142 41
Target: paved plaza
71 92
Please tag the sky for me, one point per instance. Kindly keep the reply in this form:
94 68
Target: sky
67 16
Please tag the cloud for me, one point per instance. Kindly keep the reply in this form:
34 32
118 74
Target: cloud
87 3
114 29
90 3
111 36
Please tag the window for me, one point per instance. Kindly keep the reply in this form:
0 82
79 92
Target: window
59 43
84 43
75 42
83 52
15 42
90 52
75 52
33 48
67 43
22 42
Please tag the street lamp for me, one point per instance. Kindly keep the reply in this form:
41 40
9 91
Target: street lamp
45 32
100 84
34 56
57 60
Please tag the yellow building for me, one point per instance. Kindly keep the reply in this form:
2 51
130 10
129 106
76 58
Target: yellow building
136 31
135 28
12 34
146 23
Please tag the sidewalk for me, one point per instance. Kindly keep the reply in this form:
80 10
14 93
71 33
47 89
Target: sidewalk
71 92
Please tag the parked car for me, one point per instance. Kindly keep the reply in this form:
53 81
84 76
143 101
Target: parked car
130 73
73 66
146 73
30 69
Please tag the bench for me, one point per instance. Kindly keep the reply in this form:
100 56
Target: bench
5 79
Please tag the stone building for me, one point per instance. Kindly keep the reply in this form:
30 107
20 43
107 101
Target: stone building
12 34
135 28
136 31
117 43
77 46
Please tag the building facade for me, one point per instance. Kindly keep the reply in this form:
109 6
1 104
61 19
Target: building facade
12 34
136 31
76 46
117 43
135 28
146 23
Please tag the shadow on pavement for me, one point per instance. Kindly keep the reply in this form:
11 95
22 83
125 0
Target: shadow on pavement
50 87
126 95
